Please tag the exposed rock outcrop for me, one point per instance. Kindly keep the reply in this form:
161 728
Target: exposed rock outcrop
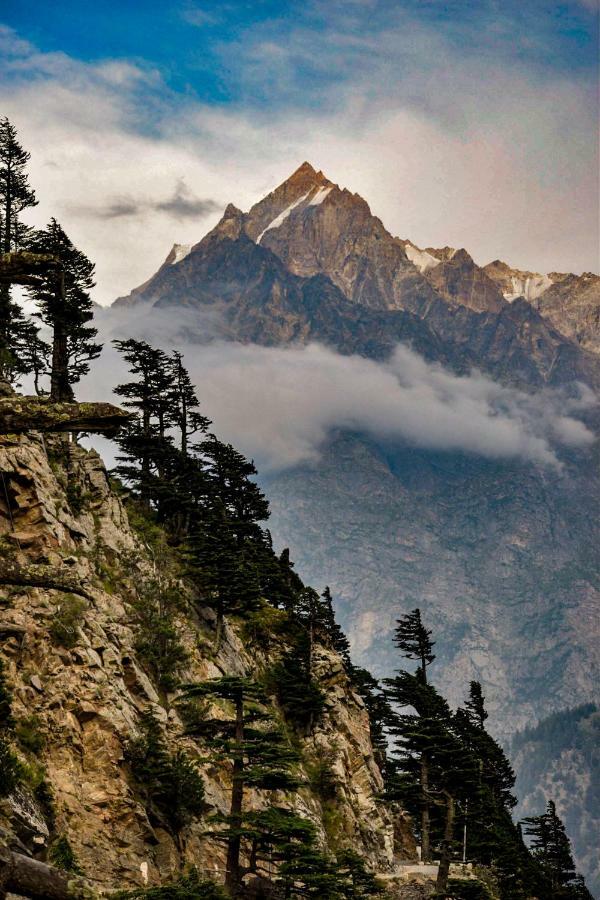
85 695
20 415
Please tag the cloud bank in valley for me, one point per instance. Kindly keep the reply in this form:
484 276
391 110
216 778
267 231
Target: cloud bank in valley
278 405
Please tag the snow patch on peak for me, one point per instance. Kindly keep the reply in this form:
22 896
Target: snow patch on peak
180 251
320 195
529 287
420 258
278 220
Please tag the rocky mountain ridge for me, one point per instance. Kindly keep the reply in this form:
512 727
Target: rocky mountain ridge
317 228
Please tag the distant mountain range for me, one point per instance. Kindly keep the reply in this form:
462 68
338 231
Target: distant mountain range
502 557
310 262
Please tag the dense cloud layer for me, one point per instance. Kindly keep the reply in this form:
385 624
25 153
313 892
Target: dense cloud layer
279 404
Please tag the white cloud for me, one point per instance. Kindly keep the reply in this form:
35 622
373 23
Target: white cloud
503 165
278 405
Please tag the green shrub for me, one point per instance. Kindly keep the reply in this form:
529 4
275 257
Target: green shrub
6 719
64 630
11 771
299 696
463 889
322 779
45 800
188 887
264 626
158 642
362 883
76 497
62 856
193 712
143 522
28 734
171 783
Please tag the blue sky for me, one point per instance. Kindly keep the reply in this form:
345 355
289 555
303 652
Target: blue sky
208 48
468 123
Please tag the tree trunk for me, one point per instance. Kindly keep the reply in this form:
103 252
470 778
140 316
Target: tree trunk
60 389
220 624
41 576
30 878
425 811
232 876
8 217
441 885
145 461
5 322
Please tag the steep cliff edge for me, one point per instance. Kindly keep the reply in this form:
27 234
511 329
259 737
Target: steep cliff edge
79 686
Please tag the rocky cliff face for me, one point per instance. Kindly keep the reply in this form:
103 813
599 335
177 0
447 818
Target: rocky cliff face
571 303
500 558
79 687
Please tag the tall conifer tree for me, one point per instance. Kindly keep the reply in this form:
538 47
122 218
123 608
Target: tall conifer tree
16 195
185 408
551 848
66 308
414 640
255 748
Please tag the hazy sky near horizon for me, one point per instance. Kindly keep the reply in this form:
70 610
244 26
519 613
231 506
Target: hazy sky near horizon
465 123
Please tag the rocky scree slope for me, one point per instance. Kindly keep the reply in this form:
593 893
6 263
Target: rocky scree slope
78 702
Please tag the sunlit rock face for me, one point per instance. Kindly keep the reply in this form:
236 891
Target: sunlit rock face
59 515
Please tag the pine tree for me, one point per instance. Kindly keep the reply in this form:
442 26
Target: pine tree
362 883
379 710
158 643
254 747
331 632
184 403
16 195
414 640
492 837
433 768
171 782
297 692
475 705
230 476
144 444
221 567
65 306
551 849
33 354
282 587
